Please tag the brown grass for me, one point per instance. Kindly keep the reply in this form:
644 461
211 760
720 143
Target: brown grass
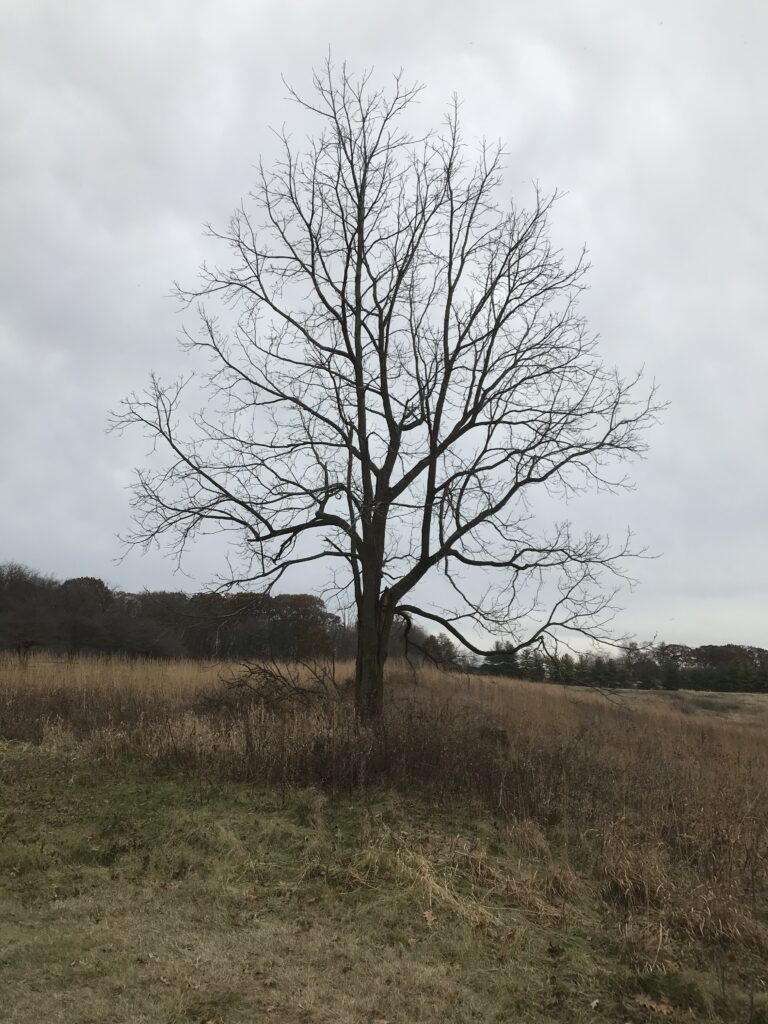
667 810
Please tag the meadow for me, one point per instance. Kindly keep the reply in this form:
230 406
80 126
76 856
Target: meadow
178 849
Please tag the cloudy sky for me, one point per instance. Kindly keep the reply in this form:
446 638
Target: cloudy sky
124 126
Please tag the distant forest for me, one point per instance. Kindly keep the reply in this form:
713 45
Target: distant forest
659 666
84 615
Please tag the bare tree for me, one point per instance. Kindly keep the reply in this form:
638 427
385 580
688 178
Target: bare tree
397 361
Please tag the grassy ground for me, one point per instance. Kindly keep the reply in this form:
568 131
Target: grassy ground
132 895
496 852
741 708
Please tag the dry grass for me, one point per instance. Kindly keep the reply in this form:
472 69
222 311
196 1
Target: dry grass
658 814
693 783
743 708
129 895
169 681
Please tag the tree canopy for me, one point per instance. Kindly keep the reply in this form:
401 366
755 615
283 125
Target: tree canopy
396 360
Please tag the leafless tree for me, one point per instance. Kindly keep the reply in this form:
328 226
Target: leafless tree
396 362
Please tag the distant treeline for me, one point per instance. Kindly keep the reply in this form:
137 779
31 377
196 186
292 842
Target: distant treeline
84 615
653 666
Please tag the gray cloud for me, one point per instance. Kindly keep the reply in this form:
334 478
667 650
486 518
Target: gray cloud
124 127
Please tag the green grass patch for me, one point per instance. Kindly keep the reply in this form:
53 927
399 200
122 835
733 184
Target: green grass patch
129 894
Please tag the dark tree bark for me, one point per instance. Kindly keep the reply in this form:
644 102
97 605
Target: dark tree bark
396 361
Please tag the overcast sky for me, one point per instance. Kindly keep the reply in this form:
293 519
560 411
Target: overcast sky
124 126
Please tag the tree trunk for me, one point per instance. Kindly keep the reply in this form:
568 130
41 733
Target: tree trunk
372 640
369 676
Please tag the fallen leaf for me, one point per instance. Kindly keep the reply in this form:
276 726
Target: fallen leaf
429 917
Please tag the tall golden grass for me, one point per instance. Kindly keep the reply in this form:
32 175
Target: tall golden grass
670 809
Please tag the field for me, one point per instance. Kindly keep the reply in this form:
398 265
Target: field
494 851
